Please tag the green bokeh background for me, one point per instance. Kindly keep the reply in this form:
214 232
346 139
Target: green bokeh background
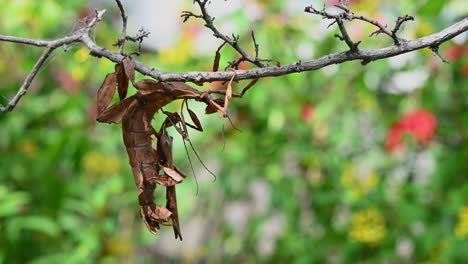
290 187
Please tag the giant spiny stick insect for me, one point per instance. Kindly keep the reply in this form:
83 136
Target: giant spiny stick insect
152 167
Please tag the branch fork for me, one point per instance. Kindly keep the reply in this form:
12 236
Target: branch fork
346 14
50 45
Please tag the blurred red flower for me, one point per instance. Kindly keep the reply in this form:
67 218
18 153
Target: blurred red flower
455 52
420 124
307 112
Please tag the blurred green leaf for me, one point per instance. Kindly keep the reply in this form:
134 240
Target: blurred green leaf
12 202
41 224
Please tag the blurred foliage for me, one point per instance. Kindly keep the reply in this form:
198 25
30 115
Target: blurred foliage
307 180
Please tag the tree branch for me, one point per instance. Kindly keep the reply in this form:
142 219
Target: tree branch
348 15
365 56
232 41
51 46
27 82
123 37
31 42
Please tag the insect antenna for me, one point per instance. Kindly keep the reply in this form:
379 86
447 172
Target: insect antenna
183 133
191 166
222 136
199 159
184 128
232 124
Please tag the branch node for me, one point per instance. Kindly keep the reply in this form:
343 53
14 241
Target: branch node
95 54
187 14
340 37
364 62
399 22
377 32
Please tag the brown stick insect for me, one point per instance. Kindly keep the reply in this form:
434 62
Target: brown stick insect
151 167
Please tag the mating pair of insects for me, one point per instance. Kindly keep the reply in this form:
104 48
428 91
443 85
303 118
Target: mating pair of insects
154 166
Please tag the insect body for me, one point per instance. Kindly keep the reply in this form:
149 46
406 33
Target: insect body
150 167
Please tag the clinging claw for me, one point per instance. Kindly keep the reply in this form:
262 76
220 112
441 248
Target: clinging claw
153 215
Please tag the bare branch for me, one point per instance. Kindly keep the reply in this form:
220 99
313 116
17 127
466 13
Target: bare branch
399 22
232 41
343 6
186 15
74 37
345 36
348 15
256 46
51 46
142 33
365 56
339 20
27 82
31 42
123 37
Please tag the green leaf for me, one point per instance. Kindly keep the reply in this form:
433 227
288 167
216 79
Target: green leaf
12 203
33 223
432 8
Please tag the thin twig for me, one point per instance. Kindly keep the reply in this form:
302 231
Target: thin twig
400 21
123 37
339 20
435 50
27 82
345 36
31 42
142 33
255 44
348 15
232 41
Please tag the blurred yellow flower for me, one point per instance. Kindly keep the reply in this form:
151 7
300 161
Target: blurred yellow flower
178 54
78 73
461 230
104 65
423 28
82 55
367 226
118 246
365 101
358 181
28 147
436 253
100 164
